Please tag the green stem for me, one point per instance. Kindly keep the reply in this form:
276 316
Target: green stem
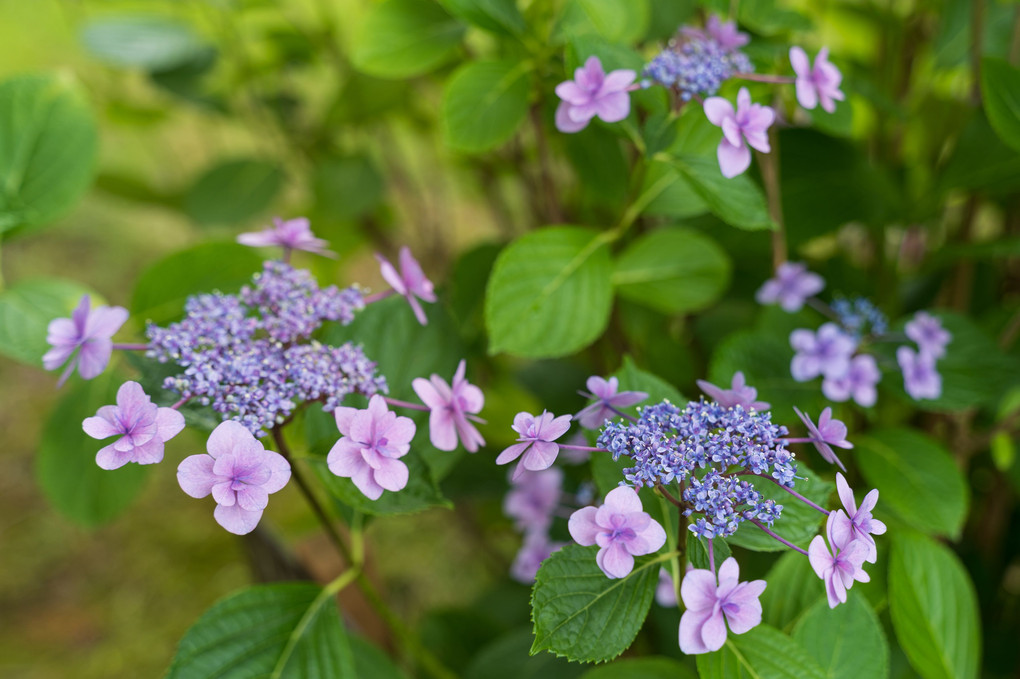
769 163
1 268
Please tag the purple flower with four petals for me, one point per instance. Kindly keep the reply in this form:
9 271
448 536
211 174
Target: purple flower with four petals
621 528
920 378
818 83
450 407
593 93
739 394
711 605
89 330
829 432
535 448
536 548
239 473
792 285
749 122
856 523
143 428
858 382
609 402
410 282
533 499
725 33
289 234
929 334
840 567
372 441
825 353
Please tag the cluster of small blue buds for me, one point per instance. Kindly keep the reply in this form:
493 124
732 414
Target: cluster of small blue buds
859 316
250 356
707 448
696 65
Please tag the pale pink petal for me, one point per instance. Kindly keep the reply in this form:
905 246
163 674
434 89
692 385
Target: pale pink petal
691 623
252 498
557 428
512 453
819 556
746 617
564 121
94 357
469 436
614 560
344 418
195 475
399 433
344 458
698 589
391 474
572 93
100 427
614 107
582 526
618 80
807 93
846 496
109 457
428 393
169 423
623 500
733 160
390 275
105 321
649 540
226 436
800 62
62 332
55 357
364 480
541 456
713 632
279 471
236 519
743 99
150 452
729 574
259 239
731 132
223 493
442 430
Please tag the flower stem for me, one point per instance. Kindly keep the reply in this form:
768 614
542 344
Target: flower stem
405 404
177 406
771 534
376 296
669 496
769 164
794 493
621 413
589 449
762 78
711 556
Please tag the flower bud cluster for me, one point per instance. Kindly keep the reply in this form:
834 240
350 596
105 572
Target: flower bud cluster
695 65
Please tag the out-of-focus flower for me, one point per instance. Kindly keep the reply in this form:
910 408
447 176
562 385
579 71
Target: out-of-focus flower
826 352
607 403
367 453
450 407
593 93
533 499
792 285
920 378
829 432
739 394
711 605
749 122
239 473
289 234
621 528
411 282
143 428
535 448
665 592
536 548
856 523
858 382
818 83
87 331
725 33
929 334
840 567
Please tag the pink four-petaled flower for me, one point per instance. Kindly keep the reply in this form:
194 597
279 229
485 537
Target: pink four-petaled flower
711 605
829 432
367 453
739 394
535 444
749 123
792 285
410 282
607 403
87 331
593 93
289 234
621 528
841 566
450 407
143 428
818 83
856 523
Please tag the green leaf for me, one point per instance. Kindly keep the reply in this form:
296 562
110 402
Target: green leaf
66 465
581 614
934 609
793 588
980 161
597 157
846 641
162 289
620 21
508 658
26 309
689 135
48 149
405 38
697 551
347 187
148 42
737 201
1000 93
762 653
799 522
633 378
916 478
646 668
497 16
673 270
234 191
549 294
273 631
484 103
420 493
371 663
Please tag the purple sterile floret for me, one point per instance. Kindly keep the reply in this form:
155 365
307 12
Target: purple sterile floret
372 441
533 499
593 93
143 428
826 352
840 567
410 283
711 605
621 528
856 523
87 332
665 591
239 473
289 234
929 334
725 33
608 402
791 287
858 382
818 83
739 394
920 378
536 435
450 407
829 432
537 547
747 126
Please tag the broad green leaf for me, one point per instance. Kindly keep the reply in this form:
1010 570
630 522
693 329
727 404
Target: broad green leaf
145 41
581 614
689 135
404 38
498 16
273 631
633 378
934 609
484 103
697 551
916 478
48 148
347 187
508 658
798 523
677 198
762 653
981 161
26 309
597 157
371 663
549 294
673 270
847 642
234 191
162 289
1000 92
737 201
66 465
646 668
620 21
793 588
420 493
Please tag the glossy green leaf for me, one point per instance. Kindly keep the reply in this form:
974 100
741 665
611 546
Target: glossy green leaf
1000 93
497 16
484 103
273 631
762 653
508 658
916 477
347 187
48 149
602 169
847 642
673 270
549 294
26 309
372 663
405 38
793 588
934 609
799 522
697 551
234 191
646 668
620 21
633 378
737 201
145 41
580 613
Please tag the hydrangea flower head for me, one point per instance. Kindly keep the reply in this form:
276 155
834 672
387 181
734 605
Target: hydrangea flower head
840 567
856 523
535 444
792 285
450 406
143 428
826 352
369 449
858 382
818 83
607 403
88 332
621 528
593 93
239 473
289 234
739 394
920 378
749 123
533 499
699 63
860 316
712 604
929 334
829 432
411 282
